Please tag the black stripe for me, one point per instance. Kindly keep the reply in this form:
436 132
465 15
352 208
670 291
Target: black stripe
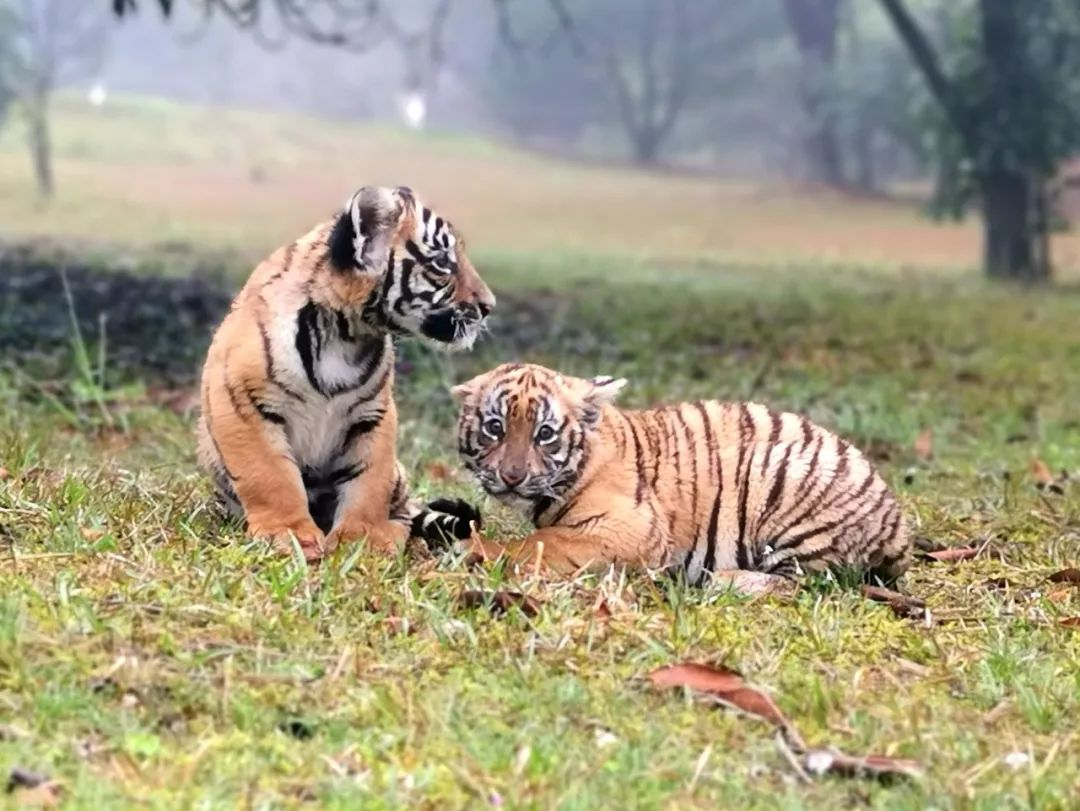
772 500
592 519
794 540
710 550
213 439
358 429
818 503
542 505
415 252
639 462
746 421
309 341
710 437
694 480
269 415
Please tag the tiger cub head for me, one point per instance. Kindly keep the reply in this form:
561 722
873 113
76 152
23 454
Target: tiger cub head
426 285
525 431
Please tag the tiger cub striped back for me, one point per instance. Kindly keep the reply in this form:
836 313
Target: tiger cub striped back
707 486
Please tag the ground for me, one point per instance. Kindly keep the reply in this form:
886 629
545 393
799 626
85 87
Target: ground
149 656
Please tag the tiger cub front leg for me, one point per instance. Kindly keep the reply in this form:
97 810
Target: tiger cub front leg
258 463
366 500
588 541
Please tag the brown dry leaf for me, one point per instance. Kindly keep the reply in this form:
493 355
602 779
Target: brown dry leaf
1040 471
924 444
1059 595
729 688
833 761
602 610
901 604
500 602
399 626
953 554
91 534
1066 576
1070 622
4 474
438 471
725 685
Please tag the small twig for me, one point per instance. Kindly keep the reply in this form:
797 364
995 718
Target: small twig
785 750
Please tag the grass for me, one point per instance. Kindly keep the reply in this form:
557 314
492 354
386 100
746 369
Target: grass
151 657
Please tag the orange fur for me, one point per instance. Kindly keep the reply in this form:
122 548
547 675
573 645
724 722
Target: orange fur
711 487
297 389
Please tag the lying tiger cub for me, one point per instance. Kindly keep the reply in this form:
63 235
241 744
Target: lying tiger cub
732 491
298 423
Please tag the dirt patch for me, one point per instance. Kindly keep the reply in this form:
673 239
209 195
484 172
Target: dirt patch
147 325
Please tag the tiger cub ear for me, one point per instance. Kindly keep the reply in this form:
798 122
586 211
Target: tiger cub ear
599 392
361 236
604 389
464 391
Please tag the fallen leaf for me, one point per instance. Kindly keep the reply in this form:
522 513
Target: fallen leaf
833 761
1065 576
4 474
901 604
924 444
399 626
91 534
1040 471
500 602
953 554
602 611
728 687
1059 595
1070 622
723 684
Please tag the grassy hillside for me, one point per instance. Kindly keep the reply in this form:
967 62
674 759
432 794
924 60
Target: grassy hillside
141 171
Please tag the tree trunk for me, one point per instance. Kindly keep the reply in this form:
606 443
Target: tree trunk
646 147
814 25
1014 233
41 146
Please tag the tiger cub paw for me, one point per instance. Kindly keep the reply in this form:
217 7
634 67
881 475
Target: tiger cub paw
308 537
382 537
445 521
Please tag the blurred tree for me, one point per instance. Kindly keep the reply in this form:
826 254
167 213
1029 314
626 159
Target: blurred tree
814 25
1010 102
642 75
51 41
7 60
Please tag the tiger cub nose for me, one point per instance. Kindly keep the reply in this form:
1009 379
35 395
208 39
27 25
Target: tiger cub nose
512 477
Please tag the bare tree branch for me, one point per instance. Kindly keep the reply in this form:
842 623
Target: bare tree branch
927 60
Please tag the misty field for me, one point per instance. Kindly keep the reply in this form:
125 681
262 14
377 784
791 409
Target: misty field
151 657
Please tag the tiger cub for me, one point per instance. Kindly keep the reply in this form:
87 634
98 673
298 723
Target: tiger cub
720 490
298 422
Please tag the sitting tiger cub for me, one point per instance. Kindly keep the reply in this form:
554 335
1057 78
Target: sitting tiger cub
298 425
732 491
